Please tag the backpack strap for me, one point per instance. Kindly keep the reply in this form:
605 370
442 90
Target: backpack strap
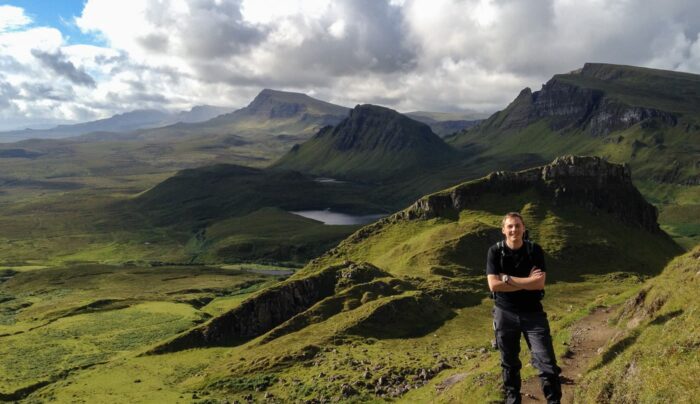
529 246
502 249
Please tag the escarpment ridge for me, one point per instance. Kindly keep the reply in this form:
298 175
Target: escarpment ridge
589 182
601 99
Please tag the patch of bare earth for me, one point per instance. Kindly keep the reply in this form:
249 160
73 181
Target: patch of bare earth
588 337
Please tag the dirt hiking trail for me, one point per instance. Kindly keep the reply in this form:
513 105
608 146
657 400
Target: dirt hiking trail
588 337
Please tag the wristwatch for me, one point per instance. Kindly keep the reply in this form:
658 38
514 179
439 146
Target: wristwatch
505 279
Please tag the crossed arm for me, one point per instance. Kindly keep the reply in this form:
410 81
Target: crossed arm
535 281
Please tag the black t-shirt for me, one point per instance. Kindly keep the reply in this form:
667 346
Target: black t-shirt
516 263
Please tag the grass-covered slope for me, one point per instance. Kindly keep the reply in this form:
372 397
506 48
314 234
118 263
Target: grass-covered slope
268 234
657 357
56 322
399 309
585 213
372 144
232 213
647 118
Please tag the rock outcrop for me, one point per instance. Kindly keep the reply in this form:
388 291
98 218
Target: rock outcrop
590 182
272 307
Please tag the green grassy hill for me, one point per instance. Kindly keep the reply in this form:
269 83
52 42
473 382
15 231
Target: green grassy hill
657 355
220 191
372 144
236 213
647 118
59 322
397 311
400 307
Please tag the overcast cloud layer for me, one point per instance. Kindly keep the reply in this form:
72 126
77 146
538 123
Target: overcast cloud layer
405 54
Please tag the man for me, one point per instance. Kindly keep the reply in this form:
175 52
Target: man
515 271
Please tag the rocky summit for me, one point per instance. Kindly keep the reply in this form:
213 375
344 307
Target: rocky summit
589 182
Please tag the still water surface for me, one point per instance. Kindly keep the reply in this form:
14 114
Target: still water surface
335 218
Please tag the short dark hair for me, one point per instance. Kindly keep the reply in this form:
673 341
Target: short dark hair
510 215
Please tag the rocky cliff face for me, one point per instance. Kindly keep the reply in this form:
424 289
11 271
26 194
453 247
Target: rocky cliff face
568 104
272 307
590 182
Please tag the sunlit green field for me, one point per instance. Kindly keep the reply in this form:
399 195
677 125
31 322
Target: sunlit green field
55 322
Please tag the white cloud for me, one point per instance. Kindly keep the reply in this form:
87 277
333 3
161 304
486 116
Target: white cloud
337 29
406 54
12 17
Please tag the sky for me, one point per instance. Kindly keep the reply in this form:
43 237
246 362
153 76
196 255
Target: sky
75 61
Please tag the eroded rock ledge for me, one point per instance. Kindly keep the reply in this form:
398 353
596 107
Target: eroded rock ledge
271 307
589 182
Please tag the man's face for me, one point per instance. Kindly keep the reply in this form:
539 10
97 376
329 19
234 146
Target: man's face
513 229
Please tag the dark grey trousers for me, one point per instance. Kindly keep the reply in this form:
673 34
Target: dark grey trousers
535 328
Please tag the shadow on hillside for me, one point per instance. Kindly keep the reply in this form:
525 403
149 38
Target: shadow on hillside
617 348
620 346
408 320
664 318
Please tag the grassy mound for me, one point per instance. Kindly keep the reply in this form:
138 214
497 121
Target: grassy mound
658 355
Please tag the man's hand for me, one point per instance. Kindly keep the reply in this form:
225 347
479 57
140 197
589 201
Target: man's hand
533 282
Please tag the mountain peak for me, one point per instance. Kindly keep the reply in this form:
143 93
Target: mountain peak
276 104
373 142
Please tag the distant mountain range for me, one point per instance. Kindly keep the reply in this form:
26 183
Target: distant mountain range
271 111
120 123
602 110
647 118
446 123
